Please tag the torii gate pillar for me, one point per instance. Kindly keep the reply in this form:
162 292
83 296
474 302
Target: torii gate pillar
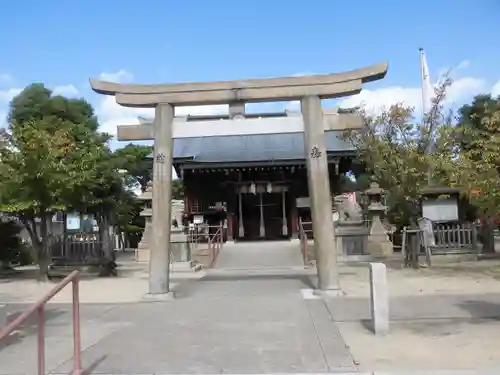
319 193
159 263
308 89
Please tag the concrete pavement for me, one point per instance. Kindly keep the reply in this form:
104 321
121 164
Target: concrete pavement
249 315
255 325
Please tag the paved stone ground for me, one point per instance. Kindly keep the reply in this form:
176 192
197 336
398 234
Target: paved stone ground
222 324
251 255
249 316
452 332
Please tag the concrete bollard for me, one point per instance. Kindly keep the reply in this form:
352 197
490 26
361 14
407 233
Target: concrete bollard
379 298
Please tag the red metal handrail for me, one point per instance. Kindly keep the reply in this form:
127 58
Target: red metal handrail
39 308
215 243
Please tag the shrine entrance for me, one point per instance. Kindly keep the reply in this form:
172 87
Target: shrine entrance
264 217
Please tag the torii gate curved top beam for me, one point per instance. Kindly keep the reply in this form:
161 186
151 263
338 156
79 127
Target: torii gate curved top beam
325 86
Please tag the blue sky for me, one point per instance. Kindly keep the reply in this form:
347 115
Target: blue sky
63 43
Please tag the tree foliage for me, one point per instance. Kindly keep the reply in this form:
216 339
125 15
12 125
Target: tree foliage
134 159
52 157
402 154
471 116
177 189
475 147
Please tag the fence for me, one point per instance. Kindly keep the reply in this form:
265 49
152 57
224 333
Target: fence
206 240
79 248
39 309
303 236
455 237
215 243
439 239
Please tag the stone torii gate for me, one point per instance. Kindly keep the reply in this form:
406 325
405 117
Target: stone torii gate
310 90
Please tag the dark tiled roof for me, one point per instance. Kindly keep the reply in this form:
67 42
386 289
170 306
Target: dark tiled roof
252 148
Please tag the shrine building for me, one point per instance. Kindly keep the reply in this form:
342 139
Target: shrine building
255 184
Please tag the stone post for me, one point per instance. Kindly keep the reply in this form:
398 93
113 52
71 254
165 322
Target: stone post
379 298
319 193
159 269
144 248
379 243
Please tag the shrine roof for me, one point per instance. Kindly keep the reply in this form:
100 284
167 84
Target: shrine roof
252 148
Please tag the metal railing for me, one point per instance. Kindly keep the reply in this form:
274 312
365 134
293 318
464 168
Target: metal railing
215 243
201 233
303 236
39 309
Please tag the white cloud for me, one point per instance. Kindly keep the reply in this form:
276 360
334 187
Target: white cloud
462 89
463 65
6 78
302 74
119 76
495 91
66 90
111 114
7 95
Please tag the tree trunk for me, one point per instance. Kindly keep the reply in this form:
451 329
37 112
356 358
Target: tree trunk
40 243
50 225
44 261
105 237
487 236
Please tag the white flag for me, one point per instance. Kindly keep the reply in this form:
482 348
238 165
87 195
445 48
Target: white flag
427 90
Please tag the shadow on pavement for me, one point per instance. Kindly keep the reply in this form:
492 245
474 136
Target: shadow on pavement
480 309
93 366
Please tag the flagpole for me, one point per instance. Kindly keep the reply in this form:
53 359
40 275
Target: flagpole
422 80
425 83
425 87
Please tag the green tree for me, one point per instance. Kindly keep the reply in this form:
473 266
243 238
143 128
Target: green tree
129 220
470 118
51 158
136 161
177 189
474 145
395 149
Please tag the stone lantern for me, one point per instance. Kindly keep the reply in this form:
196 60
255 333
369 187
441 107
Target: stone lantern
379 243
143 250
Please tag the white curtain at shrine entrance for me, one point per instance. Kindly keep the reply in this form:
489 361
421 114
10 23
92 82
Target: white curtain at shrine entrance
261 189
